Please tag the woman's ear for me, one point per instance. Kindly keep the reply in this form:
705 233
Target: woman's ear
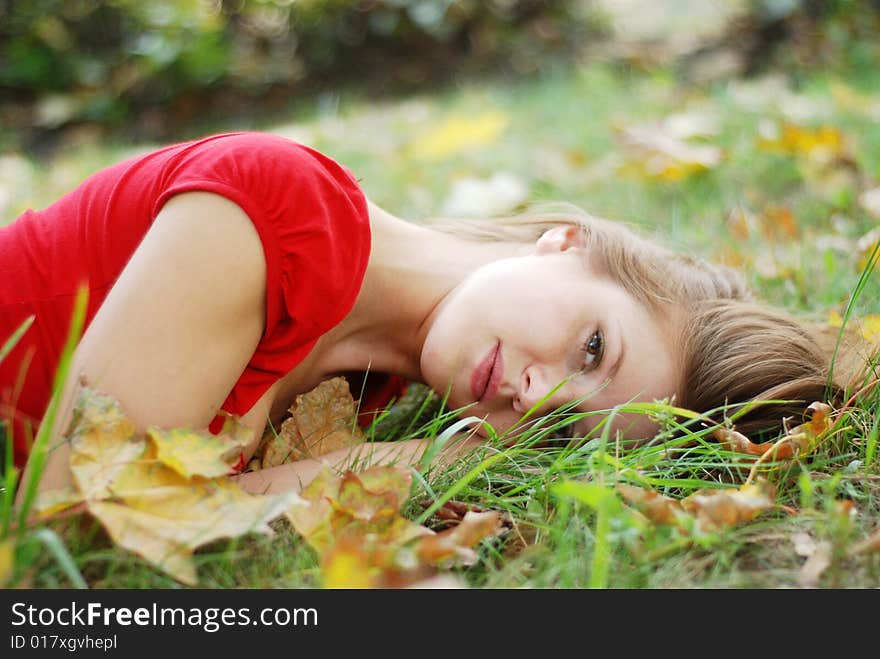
560 239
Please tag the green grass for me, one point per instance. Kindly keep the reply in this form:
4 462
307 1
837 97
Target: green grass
570 529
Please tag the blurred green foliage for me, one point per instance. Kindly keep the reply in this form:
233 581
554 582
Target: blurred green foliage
105 60
803 34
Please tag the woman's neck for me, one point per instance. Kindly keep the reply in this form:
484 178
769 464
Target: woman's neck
411 270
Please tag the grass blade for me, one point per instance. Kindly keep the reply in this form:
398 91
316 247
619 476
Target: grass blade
39 451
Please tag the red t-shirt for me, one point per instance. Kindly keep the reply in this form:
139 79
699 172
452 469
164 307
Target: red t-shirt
309 212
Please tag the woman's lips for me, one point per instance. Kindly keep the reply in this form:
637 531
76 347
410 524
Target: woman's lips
486 378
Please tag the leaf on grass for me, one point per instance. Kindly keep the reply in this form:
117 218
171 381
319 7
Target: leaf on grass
716 509
164 524
778 222
798 441
822 143
346 565
656 507
459 134
654 153
322 420
7 560
456 543
353 522
193 453
160 495
103 444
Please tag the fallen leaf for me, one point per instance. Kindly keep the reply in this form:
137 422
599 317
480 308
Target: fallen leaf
192 453
459 134
798 441
160 512
715 509
806 436
353 522
103 444
320 421
741 223
656 154
499 194
739 443
778 222
346 565
822 143
656 507
165 524
455 543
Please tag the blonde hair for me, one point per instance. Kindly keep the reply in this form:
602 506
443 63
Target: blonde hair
734 350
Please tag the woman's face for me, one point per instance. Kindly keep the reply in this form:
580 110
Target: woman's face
517 328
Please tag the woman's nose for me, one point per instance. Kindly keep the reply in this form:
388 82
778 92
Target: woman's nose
535 385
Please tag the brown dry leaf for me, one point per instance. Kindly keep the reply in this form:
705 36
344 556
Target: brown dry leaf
656 507
798 441
806 436
715 509
655 153
736 441
336 502
456 543
149 507
322 420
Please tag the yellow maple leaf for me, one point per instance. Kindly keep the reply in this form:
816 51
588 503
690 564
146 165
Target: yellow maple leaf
164 523
458 134
193 453
159 512
103 443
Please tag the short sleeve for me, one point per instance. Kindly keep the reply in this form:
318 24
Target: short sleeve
313 223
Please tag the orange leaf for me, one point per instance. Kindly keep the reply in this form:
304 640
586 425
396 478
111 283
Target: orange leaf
778 222
717 509
456 543
658 508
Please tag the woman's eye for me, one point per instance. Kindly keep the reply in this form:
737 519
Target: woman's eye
593 349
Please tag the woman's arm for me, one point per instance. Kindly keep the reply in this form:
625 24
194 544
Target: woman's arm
297 475
178 326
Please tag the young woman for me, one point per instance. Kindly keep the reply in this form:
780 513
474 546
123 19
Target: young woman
234 272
